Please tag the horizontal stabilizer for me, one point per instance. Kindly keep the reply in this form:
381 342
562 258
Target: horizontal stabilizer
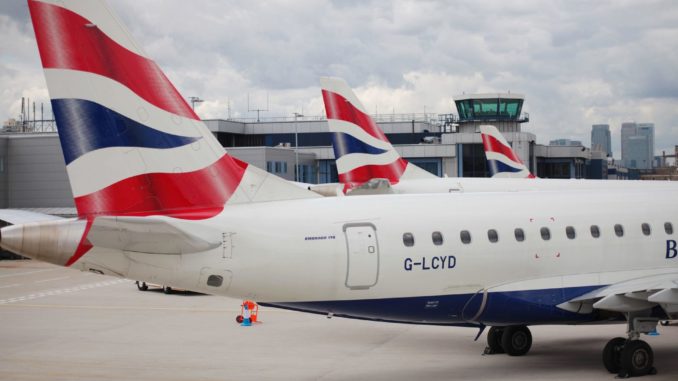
155 235
20 217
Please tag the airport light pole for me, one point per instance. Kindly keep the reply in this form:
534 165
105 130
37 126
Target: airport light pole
195 100
296 147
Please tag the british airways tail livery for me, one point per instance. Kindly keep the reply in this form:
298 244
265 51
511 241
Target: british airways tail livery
557 257
361 149
502 161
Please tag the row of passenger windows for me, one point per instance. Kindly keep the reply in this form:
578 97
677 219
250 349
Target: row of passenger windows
545 232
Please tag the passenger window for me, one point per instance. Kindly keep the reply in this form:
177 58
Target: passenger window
492 235
465 237
408 239
437 238
520 234
569 231
619 230
545 233
668 228
646 228
595 231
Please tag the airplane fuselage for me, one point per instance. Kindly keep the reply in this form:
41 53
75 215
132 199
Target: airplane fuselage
401 258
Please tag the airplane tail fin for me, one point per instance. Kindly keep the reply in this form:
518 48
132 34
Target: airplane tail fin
502 161
361 149
131 143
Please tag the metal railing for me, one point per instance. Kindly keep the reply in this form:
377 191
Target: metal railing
31 127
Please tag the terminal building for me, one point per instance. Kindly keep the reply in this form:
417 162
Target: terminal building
33 173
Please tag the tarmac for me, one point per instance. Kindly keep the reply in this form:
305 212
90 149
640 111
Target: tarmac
62 324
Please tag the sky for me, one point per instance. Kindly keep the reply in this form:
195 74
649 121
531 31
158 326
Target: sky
578 63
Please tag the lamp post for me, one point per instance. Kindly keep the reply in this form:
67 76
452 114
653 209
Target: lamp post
195 100
296 147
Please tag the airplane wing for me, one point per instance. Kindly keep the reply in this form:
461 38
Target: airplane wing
19 217
631 296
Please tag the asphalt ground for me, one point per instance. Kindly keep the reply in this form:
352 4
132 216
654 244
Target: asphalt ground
62 324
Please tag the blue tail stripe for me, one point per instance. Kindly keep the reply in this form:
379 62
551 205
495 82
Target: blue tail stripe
496 166
85 126
345 144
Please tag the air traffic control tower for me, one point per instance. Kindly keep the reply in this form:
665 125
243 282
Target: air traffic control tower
503 111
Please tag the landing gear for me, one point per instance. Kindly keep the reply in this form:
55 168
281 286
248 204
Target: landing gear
514 340
494 341
167 289
631 357
612 354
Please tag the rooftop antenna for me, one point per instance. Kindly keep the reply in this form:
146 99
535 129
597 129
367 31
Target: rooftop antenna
258 110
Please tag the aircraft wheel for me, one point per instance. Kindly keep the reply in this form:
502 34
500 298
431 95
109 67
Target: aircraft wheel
516 340
167 289
494 341
239 319
142 286
637 359
612 354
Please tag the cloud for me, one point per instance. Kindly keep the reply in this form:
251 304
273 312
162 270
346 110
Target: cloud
577 62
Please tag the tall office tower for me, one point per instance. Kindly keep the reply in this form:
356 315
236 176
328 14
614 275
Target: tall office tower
647 129
637 145
601 140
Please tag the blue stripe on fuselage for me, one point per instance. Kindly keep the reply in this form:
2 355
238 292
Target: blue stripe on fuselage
345 144
86 126
501 308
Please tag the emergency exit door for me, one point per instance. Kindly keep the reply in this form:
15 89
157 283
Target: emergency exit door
363 255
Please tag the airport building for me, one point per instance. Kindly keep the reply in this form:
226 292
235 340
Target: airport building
33 174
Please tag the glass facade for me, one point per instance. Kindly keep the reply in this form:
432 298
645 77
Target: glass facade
489 109
474 163
432 165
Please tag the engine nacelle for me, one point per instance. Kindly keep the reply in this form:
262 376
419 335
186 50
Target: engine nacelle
49 241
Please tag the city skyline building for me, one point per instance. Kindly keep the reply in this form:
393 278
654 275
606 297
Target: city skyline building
637 141
601 139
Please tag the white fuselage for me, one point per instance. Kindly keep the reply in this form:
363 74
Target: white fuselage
316 252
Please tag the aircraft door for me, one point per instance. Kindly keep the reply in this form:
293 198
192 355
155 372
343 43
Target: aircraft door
362 247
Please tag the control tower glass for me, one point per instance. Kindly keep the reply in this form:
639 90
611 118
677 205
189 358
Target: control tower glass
497 107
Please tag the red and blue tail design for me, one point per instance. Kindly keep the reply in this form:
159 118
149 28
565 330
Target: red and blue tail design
502 161
361 149
131 143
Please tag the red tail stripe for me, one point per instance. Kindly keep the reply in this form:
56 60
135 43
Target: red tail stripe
360 175
338 107
66 42
83 247
191 195
491 144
